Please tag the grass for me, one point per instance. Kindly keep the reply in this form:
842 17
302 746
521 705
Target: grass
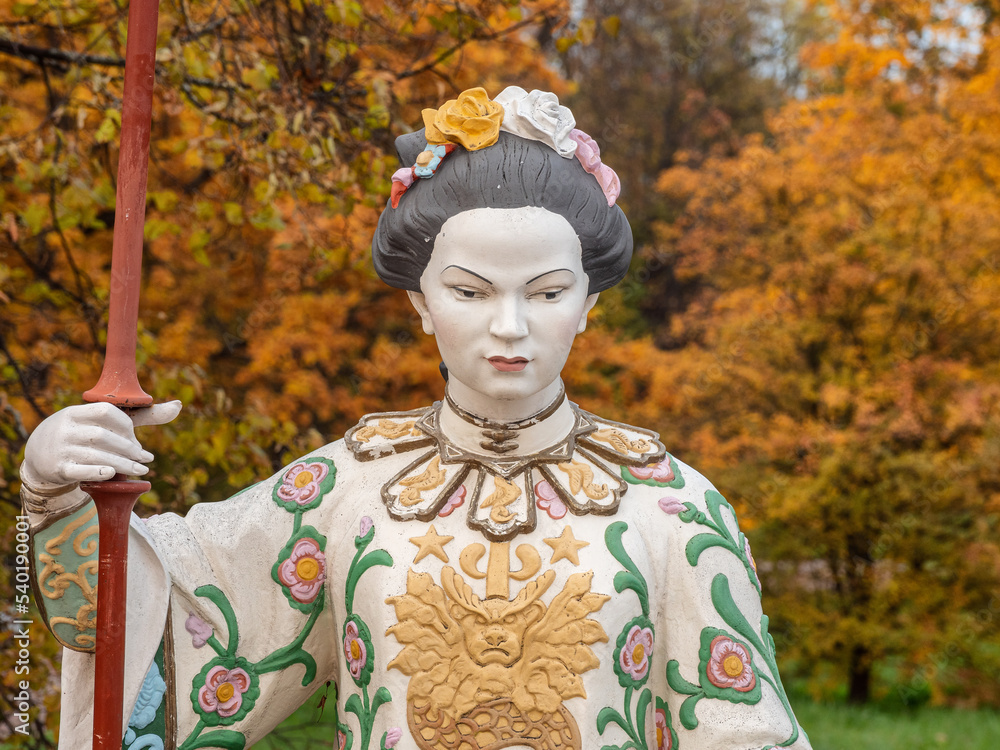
840 727
830 727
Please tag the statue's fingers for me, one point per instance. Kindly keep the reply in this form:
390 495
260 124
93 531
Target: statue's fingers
86 473
156 414
103 415
111 442
93 458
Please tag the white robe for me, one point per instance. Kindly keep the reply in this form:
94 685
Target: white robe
580 591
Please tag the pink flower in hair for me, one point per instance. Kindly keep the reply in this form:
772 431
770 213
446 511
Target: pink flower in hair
589 154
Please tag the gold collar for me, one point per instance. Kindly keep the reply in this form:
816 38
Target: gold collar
582 473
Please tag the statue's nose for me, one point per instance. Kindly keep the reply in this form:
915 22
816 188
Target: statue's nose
494 637
509 322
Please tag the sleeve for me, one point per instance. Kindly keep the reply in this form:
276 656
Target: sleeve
722 688
226 608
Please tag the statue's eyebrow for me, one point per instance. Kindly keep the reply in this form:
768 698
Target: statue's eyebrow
460 268
557 270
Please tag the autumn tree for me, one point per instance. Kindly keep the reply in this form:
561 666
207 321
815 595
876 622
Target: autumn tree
272 149
677 80
838 371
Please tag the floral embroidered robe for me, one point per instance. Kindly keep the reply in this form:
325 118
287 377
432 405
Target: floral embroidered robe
568 585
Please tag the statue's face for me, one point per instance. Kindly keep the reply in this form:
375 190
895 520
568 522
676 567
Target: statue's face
505 294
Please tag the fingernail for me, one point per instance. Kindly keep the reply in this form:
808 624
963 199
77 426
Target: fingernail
139 469
145 457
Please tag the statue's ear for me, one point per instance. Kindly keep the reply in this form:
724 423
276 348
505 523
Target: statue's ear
587 307
408 146
419 303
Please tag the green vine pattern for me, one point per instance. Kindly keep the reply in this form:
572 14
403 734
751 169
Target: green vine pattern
228 686
637 633
722 537
727 688
358 647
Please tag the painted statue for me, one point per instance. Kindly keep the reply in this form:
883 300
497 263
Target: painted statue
500 569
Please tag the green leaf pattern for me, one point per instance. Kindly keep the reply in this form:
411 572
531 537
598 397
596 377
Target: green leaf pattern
732 664
633 653
359 651
226 689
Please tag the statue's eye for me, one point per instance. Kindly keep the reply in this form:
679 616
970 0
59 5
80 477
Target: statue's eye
549 295
468 294
509 619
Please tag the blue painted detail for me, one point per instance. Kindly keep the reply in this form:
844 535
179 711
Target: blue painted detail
429 170
150 696
148 707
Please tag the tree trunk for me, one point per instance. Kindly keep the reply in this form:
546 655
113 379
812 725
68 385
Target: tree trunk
859 676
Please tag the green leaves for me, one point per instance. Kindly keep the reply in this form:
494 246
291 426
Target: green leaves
722 536
630 578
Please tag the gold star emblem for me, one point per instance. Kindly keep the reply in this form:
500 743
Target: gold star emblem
431 543
565 546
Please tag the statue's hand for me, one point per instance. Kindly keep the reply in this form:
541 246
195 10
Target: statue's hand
90 442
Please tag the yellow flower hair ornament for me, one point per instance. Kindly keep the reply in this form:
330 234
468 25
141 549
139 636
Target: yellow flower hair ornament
472 121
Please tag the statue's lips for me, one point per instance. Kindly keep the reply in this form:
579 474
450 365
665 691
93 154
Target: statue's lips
505 364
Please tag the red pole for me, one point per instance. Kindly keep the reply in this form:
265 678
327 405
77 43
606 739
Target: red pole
114 499
118 383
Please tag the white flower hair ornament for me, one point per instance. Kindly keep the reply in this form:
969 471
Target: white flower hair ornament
474 121
538 116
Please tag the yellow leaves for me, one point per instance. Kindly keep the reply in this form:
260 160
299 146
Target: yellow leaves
233 212
109 127
346 12
267 218
261 76
164 200
35 216
155 228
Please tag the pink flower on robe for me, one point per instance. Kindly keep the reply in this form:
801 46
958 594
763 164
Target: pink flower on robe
663 739
671 505
304 571
455 501
223 691
301 484
749 554
546 499
365 526
200 630
729 665
660 472
634 656
393 736
355 650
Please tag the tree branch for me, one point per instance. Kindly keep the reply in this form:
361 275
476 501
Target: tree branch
42 54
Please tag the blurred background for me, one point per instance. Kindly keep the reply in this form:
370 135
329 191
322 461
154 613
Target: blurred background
812 317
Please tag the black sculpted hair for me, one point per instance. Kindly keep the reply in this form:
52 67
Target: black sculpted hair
513 173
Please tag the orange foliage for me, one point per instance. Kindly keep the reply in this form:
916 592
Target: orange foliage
838 371
271 157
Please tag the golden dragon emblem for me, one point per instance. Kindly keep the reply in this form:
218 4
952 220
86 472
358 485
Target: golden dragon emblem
490 673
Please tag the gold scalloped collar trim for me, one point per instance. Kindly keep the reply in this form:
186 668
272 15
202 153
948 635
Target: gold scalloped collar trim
580 474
